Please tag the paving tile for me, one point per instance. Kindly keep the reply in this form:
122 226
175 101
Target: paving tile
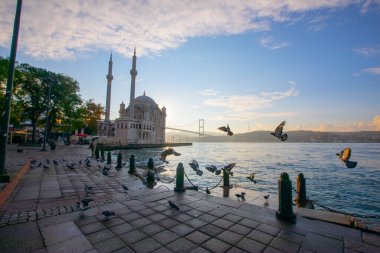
131 217
156 217
371 238
216 245
182 229
222 223
125 249
268 229
122 228
146 212
359 246
319 243
200 250
92 227
290 236
197 237
165 237
194 213
162 250
211 230
207 218
168 223
196 223
100 236
132 236
58 233
113 222
218 213
109 245
233 218
182 217
84 220
249 223
260 237
287 246
240 229
236 250
250 245
140 222
160 208
230 237
146 245
75 244
272 250
152 229
181 245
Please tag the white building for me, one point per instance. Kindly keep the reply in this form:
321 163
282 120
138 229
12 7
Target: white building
142 122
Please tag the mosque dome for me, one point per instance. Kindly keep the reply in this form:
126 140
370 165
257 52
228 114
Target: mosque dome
144 100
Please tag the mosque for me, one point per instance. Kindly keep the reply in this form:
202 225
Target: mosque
141 122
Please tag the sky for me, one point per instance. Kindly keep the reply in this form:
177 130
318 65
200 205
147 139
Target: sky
249 64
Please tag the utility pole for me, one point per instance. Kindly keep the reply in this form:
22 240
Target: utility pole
8 95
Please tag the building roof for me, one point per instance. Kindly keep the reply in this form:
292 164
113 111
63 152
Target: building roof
144 100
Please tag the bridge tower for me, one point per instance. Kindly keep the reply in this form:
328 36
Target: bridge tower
201 128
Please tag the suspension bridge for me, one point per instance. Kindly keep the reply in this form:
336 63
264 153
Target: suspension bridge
201 129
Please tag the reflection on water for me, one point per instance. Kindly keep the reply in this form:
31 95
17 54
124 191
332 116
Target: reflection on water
327 179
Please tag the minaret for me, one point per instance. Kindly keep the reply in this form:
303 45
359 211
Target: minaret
133 79
109 81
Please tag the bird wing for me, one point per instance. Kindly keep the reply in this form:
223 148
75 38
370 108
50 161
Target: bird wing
223 128
346 154
230 133
278 131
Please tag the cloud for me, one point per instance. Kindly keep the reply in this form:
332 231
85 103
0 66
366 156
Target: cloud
374 70
368 51
376 122
58 29
243 107
269 42
209 92
372 5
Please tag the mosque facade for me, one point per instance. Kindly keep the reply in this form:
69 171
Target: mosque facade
141 122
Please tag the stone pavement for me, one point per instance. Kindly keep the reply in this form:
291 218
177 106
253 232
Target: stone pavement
40 215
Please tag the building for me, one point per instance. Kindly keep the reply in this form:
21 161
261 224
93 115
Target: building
141 122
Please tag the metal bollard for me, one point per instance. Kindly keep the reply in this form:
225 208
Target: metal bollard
102 154
97 153
179 178
285 208
150 164
226 179
132 166
119 160
109 160
301 199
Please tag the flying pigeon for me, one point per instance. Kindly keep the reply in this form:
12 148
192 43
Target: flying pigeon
195 166
240 195
107 214
226 129
345 156
167 152
211 168
174 206
208 191
278 132
125 188
252 177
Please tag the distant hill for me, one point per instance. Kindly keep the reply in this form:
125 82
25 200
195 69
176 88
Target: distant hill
293 136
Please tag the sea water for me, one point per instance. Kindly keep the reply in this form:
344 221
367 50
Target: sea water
328 180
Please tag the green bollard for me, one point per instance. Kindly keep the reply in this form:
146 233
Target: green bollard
179 178
119 160
132 166
285 208
102 154
109 160
150 164
97 153
301 199
226 179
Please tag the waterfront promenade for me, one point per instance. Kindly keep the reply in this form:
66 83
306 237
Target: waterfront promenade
39 214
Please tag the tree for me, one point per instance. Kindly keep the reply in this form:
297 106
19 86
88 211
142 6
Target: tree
94 113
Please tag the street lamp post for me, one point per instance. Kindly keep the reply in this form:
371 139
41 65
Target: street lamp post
47 117
8 95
